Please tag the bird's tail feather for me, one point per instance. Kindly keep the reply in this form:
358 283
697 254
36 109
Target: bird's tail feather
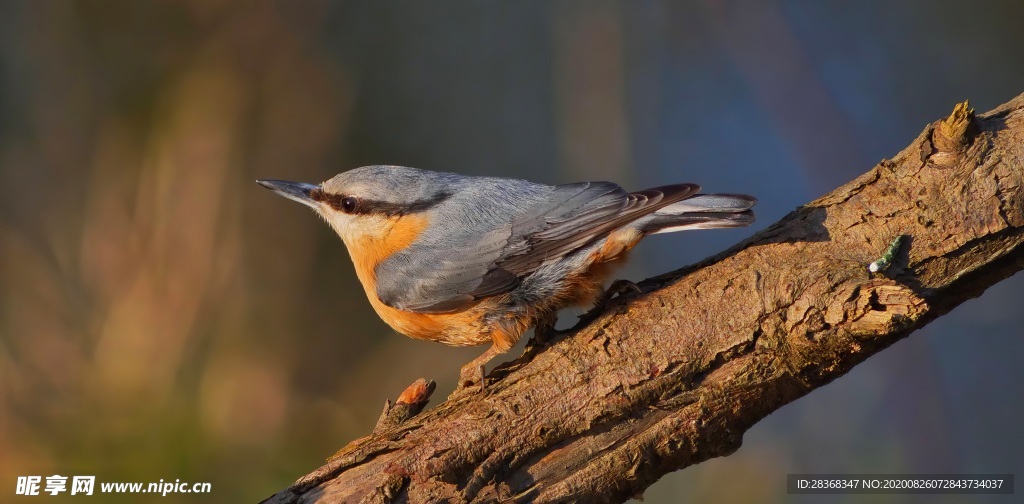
703 211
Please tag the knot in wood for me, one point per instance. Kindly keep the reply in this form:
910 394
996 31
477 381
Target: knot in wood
876 308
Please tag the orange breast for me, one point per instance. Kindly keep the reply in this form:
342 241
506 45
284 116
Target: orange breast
379 239
396 234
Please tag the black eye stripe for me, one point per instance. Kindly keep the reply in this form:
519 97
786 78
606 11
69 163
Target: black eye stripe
364 206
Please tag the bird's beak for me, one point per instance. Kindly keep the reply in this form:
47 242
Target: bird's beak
297 191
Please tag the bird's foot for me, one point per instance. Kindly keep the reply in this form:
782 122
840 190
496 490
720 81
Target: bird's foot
545 328
614 291
543 332
473 374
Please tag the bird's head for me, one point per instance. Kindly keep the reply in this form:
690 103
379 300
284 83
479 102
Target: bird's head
366 202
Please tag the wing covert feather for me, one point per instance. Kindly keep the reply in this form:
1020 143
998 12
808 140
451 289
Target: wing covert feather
534 234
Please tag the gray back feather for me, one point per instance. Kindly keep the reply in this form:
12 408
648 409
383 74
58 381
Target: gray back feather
492 233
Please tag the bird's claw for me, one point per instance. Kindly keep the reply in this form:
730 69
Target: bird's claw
614 291
471 376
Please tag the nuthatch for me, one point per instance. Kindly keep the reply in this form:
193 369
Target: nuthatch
474 260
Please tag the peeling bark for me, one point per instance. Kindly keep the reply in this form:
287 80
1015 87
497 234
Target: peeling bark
675 376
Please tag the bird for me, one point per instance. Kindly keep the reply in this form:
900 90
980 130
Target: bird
470 260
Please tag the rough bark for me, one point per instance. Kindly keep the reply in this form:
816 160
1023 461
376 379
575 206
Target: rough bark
675 376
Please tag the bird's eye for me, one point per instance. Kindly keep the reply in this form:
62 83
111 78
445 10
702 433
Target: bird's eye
348 204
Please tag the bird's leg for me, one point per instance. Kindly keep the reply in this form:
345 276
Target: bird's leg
619 287
542 333
474 371
545 328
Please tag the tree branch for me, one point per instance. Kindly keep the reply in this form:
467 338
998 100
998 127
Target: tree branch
675 376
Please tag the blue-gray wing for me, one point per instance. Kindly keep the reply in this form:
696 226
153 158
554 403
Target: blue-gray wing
490 250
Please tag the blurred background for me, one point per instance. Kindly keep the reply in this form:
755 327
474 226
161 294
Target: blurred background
163 317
